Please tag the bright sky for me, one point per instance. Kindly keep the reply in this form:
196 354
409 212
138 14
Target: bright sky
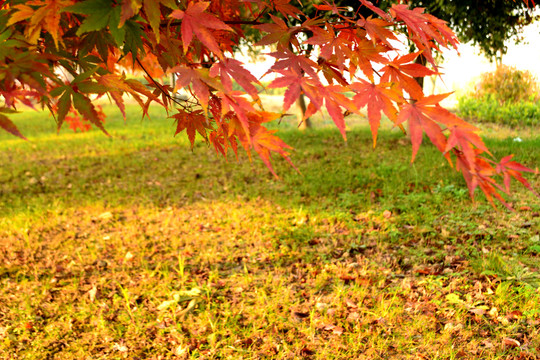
460 70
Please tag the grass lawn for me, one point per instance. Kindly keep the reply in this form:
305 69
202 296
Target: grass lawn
135 247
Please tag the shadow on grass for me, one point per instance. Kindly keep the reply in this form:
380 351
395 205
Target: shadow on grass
332 174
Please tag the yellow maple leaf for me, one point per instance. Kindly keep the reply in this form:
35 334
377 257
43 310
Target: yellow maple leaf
46 17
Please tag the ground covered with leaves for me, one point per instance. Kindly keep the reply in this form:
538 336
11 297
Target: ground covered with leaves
137 248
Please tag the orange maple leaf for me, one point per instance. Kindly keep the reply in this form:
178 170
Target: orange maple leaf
46 17
376 29
264 141
193 122
117 85
402 71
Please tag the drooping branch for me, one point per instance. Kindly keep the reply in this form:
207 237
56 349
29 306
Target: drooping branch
353 50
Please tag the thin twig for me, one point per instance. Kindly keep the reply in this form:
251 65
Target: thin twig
158 85
228 22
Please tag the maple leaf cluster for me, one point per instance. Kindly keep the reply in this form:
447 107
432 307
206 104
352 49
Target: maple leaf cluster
64 53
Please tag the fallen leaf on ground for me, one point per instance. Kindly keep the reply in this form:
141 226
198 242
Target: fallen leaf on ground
307 352
92 293
338 330
351 304
105 216
300 315
128 256
120 347
514 315
509 342
478 311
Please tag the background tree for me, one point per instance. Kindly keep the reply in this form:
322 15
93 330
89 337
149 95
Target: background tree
93 41
488 24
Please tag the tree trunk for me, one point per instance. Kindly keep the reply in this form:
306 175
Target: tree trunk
173 81
300 109
421 59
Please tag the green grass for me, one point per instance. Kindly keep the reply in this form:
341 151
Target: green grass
136 247
489 109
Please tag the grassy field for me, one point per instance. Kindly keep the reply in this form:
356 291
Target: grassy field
135 247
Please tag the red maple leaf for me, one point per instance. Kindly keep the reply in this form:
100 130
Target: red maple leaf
331 44
235 105
375 9
293 81
376 29
464 138
199 82
128 10
117 85
286 59
286 9
196 21
380 97
402 71
332 72
331 7
7 124
480 174
423 115
228 68
278 32
512 169
426 30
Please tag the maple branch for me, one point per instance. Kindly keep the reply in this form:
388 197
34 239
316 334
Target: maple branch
261 14
228 22
243 22
158 85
